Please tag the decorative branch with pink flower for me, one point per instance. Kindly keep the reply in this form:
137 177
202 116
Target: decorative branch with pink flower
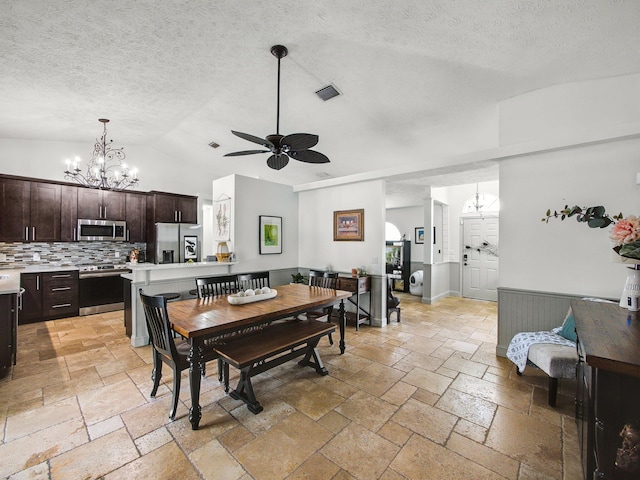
625 233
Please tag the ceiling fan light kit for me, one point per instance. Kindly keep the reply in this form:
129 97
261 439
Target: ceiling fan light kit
282 147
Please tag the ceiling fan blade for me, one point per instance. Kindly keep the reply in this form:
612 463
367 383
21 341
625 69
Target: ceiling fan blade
245 152
277 162
309 156
300 141
253 138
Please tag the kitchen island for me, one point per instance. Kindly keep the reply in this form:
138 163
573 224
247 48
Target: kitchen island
155 279
9 305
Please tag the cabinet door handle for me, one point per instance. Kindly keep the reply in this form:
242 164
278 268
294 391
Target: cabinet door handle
175 215
180 215
20 298
100 211
74 235
128 234
61 275
105 212
60 289
62 305
38 282
26 233
33 233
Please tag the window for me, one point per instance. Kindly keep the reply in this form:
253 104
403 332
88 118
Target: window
391 232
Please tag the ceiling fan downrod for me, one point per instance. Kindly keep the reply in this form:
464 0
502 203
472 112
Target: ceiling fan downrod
278 51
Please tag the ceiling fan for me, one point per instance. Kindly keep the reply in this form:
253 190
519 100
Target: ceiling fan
282 147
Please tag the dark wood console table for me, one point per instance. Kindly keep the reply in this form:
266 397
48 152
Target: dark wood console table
608 392
357 286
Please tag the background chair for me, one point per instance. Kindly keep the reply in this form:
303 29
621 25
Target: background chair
392 303
253 280
165 348
319 278
220 285
216 286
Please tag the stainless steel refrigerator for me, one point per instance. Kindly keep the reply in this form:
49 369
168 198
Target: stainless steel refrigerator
178 242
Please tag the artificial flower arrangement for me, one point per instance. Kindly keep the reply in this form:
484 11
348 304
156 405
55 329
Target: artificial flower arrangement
625 233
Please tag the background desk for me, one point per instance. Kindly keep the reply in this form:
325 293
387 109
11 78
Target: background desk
608 383
357 286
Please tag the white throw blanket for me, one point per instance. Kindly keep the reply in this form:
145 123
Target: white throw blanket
518 350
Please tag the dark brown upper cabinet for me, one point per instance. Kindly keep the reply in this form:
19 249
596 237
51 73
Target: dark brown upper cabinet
96 204
29 211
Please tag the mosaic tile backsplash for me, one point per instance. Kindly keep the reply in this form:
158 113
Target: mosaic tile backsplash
62 254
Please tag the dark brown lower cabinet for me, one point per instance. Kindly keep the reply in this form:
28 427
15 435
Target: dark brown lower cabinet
608 392
31 298
8 329
49 295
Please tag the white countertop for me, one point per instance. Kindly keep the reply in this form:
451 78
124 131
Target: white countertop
9 281
40 268
170 266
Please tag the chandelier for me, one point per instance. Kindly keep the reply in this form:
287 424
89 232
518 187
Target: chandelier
106 169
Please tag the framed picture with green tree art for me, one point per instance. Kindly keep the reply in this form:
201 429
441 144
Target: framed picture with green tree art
270 235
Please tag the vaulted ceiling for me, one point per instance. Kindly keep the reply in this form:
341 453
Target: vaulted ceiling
420 79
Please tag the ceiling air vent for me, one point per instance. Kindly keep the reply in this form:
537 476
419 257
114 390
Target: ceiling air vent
214 145
328 92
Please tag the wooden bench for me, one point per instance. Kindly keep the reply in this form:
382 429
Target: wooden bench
258 352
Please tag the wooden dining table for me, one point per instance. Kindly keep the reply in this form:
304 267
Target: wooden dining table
202 319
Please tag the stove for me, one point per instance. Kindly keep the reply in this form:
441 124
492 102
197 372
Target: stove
101 267
101 288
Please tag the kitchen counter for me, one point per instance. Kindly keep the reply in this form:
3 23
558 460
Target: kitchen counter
40 268
162 278
170 266
9 281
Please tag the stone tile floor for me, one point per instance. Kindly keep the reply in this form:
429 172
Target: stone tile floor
424 399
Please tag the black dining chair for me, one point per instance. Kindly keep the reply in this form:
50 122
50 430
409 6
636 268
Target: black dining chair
220 285
322 279
253 280
165 348
393 303
216 286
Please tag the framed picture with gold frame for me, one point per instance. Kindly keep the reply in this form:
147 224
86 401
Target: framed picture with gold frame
348 225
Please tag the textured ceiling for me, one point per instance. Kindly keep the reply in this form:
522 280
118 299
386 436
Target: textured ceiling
420 79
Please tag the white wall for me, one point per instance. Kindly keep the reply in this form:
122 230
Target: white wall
565 257
251 198
317 248
46 160
587 108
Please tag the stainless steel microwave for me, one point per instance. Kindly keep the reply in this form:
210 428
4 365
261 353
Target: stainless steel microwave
102 230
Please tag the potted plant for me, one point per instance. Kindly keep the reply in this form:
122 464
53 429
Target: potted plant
298 278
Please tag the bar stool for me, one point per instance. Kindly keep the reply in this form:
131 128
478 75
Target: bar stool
169 296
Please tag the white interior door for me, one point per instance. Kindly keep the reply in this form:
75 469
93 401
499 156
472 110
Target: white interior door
480 258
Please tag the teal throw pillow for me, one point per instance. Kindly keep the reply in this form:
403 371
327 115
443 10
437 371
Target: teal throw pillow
568 330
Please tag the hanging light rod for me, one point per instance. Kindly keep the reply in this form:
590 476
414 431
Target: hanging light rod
106 170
